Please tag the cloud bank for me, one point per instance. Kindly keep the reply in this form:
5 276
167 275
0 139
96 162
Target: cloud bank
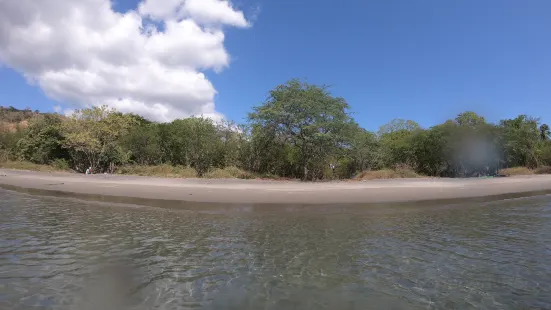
148 60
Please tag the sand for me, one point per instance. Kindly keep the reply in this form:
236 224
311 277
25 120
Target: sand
233 191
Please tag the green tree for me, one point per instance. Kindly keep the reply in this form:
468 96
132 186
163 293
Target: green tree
143 142
399 125
365 150
470 119
475 148
545 132
546 153
309 119
8 143
395 138
265 152
203 143
92 137
173 142
430 149
193 142
232 140
43 140
522 138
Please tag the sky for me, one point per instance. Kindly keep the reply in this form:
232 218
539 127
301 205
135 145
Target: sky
425 60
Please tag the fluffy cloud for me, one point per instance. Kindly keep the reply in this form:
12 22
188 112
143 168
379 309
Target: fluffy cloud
203 11
148 60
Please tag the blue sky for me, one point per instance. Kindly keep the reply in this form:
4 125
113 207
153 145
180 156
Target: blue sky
425 60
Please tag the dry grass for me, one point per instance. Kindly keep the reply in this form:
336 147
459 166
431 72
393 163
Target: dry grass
228 173
14 127
516 171
525 171
25 165
387 174
166 171
543 170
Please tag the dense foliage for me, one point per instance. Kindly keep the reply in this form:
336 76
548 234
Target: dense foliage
300 131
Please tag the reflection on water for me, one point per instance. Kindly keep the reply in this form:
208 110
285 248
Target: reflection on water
65 254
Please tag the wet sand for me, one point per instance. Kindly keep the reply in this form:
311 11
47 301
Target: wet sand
273 192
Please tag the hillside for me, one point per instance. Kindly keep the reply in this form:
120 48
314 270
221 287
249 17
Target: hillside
11 118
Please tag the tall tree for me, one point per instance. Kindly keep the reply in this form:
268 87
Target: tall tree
470 119
93 135
307 117
545 132
43 140
203 143
395 138
522 138
399 125
475 150
143 141
365 150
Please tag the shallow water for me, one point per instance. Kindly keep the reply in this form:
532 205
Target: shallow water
68 254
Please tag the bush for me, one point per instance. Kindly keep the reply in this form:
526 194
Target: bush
60 164
166 171
543 170
398 173
4 156
516 171
404 171
228 173
25 165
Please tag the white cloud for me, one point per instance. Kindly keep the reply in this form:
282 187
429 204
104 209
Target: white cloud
82 53
202 11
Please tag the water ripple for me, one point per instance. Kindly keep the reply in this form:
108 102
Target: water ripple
65 254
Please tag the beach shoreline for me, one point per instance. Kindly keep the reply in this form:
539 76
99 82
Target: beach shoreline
236 191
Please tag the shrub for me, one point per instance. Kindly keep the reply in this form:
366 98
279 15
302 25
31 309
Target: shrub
543 170
398 173
60 164
228 173
4 156
25 165
166 171
516 171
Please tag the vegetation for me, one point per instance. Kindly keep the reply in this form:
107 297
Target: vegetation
516 171
10 117
301 131
167 171
398 173
525 171
25 165
228 173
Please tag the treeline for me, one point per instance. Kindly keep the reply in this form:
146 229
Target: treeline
300 131
14 116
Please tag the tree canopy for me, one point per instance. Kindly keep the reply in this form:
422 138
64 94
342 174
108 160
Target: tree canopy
300 131
307 118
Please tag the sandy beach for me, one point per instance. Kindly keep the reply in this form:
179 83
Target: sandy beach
234 191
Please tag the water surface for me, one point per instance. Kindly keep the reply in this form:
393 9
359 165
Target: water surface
68 254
